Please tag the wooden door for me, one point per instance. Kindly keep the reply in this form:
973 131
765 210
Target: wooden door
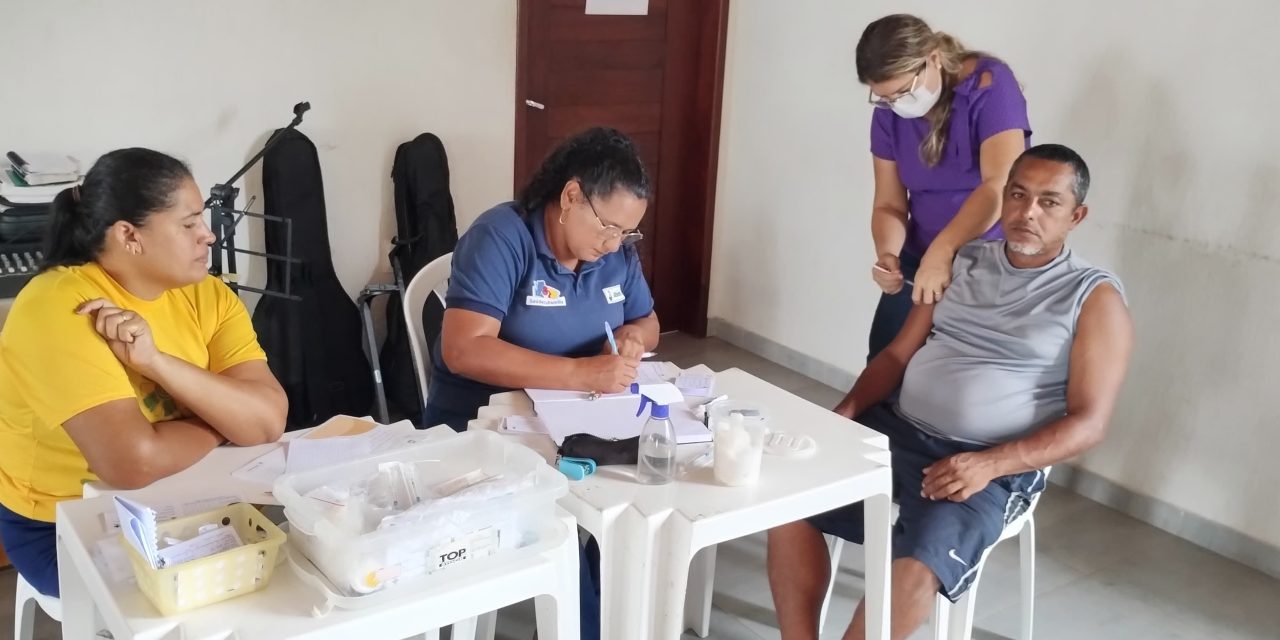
657 78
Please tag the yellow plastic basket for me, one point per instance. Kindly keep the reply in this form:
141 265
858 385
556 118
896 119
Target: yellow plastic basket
232 573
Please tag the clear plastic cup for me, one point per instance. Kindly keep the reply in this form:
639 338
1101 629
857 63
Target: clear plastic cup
738 432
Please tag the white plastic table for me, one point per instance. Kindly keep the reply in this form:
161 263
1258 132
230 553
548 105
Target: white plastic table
283 609
211 477
649 535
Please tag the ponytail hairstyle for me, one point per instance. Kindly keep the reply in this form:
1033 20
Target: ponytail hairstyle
601 159
123 185
900 43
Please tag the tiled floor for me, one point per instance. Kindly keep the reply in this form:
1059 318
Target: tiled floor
1100 574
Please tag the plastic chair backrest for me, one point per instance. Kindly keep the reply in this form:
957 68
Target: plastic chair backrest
431 279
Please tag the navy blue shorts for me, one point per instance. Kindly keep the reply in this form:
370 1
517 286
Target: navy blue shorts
948 537
32 548
434 415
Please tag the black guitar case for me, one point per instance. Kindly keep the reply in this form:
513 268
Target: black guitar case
426 229
313 345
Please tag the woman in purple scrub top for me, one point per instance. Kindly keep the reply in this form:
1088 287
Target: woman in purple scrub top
947 126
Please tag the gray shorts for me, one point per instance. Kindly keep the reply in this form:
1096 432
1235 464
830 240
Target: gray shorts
948 537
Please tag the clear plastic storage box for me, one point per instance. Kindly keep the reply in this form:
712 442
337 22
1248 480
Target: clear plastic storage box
429 507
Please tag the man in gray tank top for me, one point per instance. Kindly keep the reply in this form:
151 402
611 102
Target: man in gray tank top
1016 369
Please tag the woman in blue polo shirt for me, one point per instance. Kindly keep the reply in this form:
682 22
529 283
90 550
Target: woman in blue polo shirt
534 282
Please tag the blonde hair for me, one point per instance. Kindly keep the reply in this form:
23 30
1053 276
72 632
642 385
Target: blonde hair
901 43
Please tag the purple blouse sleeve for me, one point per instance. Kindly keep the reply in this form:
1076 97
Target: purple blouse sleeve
1001 106
882 134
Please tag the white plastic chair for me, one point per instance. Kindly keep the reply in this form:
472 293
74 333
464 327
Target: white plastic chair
433 278
25 599
959 626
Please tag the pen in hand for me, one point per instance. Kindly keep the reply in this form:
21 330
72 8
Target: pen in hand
608 333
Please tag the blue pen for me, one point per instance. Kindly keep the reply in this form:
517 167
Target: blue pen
608 332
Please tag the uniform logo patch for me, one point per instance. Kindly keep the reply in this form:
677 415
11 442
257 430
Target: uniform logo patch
545 295
614 295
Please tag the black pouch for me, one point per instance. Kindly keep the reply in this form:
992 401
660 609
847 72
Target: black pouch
24 223
602 450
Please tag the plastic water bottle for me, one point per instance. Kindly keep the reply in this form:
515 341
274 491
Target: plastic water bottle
657 459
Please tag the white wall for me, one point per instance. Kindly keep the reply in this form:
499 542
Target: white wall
209 81
1175 112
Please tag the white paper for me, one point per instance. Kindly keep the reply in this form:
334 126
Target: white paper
646 373
696 384
565 413
305 454
615 418
367 440
263 469
653 373
138 524
523 424
209 543
541 396
617 7
390 436
173 510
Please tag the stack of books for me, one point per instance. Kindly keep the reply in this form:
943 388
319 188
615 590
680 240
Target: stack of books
36 179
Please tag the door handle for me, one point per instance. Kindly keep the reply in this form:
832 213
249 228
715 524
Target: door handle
535 105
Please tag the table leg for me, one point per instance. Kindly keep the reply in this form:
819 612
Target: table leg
697 604
78 608
557 612
878 513
674 559
463 629
629 546
487 626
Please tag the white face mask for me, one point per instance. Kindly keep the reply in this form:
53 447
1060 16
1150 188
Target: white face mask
918 102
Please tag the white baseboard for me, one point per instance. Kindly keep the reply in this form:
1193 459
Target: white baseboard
1198 530
824 372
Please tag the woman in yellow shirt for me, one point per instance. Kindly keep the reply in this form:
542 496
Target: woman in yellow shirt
123 360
